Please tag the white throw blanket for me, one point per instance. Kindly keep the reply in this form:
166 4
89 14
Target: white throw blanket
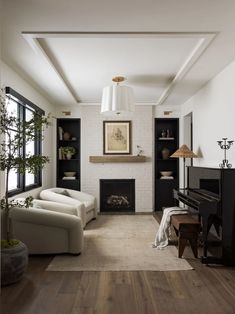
163 232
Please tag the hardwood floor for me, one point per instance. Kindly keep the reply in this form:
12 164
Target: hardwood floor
203 290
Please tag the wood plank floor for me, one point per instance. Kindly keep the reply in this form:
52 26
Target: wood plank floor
203 290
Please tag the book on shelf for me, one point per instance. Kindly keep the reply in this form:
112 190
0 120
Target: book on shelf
68 178
61 154
166 138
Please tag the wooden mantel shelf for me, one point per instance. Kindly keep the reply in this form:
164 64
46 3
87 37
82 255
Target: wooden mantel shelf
117 158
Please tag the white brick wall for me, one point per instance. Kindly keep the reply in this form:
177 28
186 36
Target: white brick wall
92 144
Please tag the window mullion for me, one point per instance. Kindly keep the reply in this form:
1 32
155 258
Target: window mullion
23 115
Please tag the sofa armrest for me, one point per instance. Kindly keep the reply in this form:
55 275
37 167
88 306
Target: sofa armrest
81 196
32 225
54 206
44 217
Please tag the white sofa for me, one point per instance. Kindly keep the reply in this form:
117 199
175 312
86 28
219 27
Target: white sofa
48 228
85 203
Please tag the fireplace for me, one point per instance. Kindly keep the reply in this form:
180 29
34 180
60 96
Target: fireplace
117 195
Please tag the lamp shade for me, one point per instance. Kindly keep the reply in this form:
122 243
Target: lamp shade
117 99
184 152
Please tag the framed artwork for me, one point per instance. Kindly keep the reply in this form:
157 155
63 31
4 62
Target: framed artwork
117 137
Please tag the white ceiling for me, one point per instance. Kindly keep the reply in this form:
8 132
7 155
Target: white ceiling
70 50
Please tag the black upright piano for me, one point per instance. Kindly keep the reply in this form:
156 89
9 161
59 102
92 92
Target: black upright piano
211 191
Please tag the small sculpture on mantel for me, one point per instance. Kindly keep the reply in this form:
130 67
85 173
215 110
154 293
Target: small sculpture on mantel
140 150
225 145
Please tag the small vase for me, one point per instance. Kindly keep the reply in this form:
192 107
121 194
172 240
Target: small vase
68 156
165 153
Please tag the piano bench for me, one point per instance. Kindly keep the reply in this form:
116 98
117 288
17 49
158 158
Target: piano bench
187 229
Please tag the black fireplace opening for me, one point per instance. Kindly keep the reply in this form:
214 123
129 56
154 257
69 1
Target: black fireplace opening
117 195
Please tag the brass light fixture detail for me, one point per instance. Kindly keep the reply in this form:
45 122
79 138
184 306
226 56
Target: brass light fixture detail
118 79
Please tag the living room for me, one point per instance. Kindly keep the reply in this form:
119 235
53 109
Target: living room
179 60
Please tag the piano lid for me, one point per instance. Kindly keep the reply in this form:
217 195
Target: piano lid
207 179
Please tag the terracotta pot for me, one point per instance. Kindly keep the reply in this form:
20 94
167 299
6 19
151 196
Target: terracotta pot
14 262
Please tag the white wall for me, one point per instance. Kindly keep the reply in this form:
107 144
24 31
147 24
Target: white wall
10 78
92 143
213 110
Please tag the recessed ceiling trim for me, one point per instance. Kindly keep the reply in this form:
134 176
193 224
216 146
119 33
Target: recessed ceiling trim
116 34
204 40
197 51
37 47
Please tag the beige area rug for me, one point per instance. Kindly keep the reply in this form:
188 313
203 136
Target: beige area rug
121 243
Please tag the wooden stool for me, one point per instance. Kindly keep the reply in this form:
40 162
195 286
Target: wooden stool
187 229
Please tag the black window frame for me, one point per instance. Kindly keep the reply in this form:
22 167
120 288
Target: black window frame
24 104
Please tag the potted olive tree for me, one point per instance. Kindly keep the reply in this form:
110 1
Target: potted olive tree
14 254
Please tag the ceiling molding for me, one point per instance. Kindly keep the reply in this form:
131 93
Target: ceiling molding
204 40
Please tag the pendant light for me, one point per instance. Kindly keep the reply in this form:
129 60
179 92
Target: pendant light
117 99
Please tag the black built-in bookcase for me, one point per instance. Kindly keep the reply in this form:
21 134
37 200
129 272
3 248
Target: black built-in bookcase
71 126
166 136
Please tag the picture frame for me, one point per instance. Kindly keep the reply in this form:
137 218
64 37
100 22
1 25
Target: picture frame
117 137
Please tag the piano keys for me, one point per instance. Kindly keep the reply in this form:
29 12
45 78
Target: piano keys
211 191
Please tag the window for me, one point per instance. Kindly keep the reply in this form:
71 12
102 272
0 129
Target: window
24 110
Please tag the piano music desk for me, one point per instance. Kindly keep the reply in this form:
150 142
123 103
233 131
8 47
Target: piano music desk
187 229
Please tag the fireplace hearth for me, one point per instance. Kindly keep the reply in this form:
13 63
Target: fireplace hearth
117 195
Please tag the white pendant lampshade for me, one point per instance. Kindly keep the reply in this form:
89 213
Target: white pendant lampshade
117 99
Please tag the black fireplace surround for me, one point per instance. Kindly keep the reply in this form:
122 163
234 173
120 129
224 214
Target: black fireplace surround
117 195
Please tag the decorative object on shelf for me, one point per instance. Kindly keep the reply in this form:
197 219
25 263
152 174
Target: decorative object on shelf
184 152
60 132
117 98
166 135
225 145
117 137
70 173
163 134
166 173
66 136
68 151
140 150
165 153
